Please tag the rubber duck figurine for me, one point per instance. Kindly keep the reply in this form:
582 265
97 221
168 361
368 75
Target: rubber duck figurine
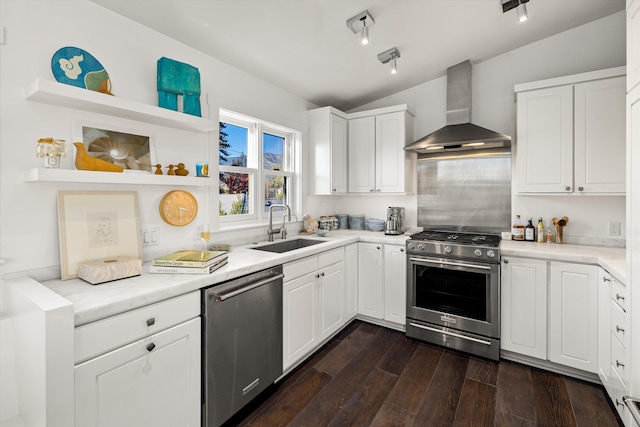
181 170
158 169
171 171
89 163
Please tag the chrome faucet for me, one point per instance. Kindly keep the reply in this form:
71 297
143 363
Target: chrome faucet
282 230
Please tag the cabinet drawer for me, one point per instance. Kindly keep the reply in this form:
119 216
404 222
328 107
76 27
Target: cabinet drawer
619 293
619 360
328 258
293 270
620 324
104 335
617 392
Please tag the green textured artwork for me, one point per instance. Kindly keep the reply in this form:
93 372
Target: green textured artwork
178 79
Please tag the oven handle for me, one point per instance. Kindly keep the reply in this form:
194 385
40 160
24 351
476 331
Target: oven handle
455 264
440 331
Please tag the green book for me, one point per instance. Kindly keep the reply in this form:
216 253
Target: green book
191 258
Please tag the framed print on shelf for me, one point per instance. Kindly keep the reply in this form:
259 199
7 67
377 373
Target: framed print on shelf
97 225
132 149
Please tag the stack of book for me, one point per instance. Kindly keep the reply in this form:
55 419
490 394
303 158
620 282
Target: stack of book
189 262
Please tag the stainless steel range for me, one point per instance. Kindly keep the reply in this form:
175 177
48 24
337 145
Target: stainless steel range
453 295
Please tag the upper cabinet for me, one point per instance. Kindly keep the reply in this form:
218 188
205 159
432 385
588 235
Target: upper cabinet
362 152
328 136
571 134
633 41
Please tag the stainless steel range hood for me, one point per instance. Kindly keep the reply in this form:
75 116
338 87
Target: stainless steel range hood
460 134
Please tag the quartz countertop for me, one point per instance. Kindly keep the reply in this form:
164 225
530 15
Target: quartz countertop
94 302
611 259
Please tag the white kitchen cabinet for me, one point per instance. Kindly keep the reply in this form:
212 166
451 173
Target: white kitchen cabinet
633 42
351 281
382 282
570 136
377 162
395 284
328 142
573 315
370 280
604 328
524 306
154 380
313 303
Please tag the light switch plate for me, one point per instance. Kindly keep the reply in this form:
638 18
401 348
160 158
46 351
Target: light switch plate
614 228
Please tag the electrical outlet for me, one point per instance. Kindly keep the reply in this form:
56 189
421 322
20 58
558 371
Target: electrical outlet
614 228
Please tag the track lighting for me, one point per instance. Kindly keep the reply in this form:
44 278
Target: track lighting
361 24
389 56
518 5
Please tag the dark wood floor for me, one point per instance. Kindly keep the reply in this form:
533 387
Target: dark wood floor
373 376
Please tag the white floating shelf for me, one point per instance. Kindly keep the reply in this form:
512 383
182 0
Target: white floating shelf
50 92
94 177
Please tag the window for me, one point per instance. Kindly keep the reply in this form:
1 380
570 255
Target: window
257 168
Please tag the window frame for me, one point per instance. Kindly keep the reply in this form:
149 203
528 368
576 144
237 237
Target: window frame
255 168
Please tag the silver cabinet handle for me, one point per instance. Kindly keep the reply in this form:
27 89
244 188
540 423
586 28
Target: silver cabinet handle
619 329
401 249
506 261
371 190
618 364
580 188
334 190
377 247
567 188
151 321
606 279
619 297
151 346
618 403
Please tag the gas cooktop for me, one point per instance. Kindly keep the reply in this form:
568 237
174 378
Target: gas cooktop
482 246
460 238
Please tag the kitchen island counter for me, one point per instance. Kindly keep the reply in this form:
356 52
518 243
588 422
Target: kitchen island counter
611 259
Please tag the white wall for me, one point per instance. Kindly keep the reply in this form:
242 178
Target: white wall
34 30
597 45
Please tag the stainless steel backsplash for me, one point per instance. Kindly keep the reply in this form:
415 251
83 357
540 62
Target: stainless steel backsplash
465 192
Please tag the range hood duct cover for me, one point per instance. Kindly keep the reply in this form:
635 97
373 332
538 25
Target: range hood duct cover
459 134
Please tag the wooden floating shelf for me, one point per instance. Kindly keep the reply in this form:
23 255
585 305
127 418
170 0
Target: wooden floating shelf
94 177
50 92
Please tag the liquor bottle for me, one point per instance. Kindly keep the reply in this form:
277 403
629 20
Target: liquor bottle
517 231
540 231
529 232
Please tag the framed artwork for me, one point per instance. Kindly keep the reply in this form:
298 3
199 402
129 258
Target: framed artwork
97 225
131 149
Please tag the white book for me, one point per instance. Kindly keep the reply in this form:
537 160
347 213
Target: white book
186 270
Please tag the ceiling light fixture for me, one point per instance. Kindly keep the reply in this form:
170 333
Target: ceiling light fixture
361 24
518 5
390 56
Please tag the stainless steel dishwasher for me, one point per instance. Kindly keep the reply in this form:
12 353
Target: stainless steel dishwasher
242 342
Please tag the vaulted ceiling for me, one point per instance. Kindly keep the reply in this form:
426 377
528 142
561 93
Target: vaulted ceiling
305 46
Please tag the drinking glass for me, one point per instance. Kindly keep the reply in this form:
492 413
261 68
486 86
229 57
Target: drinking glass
205 235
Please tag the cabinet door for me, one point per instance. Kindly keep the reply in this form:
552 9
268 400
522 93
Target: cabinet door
573 315
395 284
152 382
362 155
390 154
544 148
331 294
633 42
370 280
328 138
600 136
604 327
524 306
338 155
351 281
299 306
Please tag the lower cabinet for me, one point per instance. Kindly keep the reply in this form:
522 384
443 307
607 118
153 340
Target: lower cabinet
550 311
573 315
382 284
152 381
351 280
313 303
604 328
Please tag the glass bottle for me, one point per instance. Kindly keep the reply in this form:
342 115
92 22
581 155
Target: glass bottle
517 231
550 235
530 232
540 231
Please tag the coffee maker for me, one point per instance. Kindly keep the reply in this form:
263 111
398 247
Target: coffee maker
395 221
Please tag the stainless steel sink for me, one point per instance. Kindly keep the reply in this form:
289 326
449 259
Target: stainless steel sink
287 245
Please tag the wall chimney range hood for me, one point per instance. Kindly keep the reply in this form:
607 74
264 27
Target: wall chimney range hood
460 134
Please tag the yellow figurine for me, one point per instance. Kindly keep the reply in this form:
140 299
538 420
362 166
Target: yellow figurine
89 163
181 170
158 169
171 171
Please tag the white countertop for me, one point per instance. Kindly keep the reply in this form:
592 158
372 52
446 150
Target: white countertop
611 259
94 302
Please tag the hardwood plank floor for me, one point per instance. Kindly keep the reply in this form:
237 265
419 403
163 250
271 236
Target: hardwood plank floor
372 376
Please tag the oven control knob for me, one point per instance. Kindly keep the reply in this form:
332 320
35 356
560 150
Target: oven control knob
421 247
477 252
410 246
447 249
491 254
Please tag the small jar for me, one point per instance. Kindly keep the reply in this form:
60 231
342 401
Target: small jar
356 222
51 150
333 222
343 221
324 223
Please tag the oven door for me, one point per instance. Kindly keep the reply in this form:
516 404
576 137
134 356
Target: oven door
455 294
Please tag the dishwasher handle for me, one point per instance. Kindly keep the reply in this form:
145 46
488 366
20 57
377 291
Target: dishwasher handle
223 294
